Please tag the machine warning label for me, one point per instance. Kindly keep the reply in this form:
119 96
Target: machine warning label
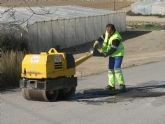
57 58
35 59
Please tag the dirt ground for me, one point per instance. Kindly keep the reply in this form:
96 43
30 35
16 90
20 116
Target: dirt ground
151 19
142 47
108 4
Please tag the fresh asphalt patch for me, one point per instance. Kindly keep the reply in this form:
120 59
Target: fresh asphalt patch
102 96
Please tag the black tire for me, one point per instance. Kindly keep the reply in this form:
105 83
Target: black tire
51 97
66 93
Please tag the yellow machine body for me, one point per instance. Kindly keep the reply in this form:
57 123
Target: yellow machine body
46 65
49 75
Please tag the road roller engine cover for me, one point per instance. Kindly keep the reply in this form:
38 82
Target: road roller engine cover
49 76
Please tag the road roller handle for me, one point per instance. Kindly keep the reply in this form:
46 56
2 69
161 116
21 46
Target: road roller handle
84 58
79 60
52 51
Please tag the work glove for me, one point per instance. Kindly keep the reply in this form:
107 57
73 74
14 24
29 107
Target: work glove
91 50
95 44
105 54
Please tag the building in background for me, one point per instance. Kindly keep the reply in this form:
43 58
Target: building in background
149 7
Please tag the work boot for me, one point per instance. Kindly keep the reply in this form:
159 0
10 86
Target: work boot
110 88
122 88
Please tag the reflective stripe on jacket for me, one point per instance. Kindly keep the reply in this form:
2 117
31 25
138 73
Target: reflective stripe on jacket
107 44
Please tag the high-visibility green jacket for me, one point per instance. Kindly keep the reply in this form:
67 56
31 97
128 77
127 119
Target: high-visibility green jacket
107 44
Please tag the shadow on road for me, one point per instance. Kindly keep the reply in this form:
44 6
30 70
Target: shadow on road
11 89
100 96
133 34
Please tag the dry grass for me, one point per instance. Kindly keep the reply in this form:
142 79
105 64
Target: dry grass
10 68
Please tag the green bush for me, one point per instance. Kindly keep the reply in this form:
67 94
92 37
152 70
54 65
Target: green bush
11 42
10 68
130 13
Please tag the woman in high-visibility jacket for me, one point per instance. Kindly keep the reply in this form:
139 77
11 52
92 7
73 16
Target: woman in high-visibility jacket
113 47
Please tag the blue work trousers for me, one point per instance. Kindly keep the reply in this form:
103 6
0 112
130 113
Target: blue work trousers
115 62
115 72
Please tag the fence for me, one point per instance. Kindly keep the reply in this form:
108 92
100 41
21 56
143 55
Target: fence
71 32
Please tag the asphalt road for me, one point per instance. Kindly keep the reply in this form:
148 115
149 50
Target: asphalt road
143 103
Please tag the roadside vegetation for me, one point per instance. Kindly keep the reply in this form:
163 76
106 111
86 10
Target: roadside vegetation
145 26
10 68
130 13
12 49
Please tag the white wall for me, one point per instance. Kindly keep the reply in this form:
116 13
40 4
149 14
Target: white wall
71 32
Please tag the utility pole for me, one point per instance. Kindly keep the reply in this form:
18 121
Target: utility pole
114 5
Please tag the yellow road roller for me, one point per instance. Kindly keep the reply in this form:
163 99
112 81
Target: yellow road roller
49 76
